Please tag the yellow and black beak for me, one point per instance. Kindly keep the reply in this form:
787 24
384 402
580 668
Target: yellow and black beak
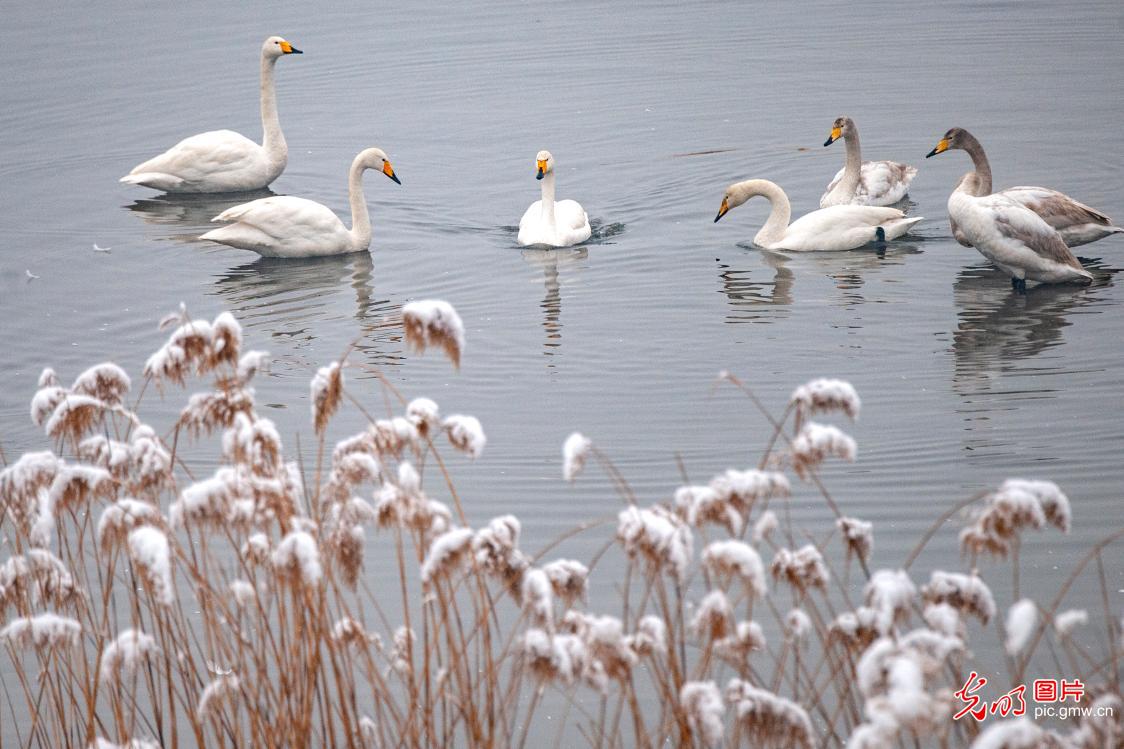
289 49
941 147
541 164
388 170
835 135
723 209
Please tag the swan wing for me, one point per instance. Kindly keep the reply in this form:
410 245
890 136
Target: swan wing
1016 222
1077 223
831 186
883 182
204 155
284 215
839 227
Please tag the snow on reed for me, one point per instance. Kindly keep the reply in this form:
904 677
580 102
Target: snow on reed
100 743
537 594
767 719
802 569
195 345
765 526
967 594
1017 505
736 558
465 434
890 594
434 323
650 636
1020 733
106 381
701 504
746 638
45 401
575 451
424 414
22 482
817 442
242 592
123 516
944 618
208 501
822 395
495 548
854 629
297 559
448 553
1021 620
858 537
226 340
216 409
657 536
702 702
148 548
391 437
223 690
37 577
714 617
42 632
743 489
368 732
124 655
251 363
326 393
797 625
1069 620
568 579
253 442
74 416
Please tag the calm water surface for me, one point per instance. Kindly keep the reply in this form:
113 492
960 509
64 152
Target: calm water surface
964 383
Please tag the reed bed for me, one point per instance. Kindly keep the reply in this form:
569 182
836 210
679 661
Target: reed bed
148 604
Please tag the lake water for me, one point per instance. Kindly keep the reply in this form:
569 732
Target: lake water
964 382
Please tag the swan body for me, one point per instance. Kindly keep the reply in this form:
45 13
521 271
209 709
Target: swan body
223 160
840 227
1075 222
861 182
1012 236
546 222
287 226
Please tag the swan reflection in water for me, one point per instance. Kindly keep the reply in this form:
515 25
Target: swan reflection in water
755 299
298 302
551 261
999 331
192 213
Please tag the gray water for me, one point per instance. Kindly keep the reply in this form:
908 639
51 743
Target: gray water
964 382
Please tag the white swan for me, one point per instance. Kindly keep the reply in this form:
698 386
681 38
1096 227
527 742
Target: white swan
285 226
548 223
839 227
223 160
1012 236
864 182
1076 222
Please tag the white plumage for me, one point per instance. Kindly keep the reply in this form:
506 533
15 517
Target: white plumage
223 160
287 226
550 223
841 227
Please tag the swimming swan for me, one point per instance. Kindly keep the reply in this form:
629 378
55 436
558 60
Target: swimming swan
1012 236
864 182
839 227
548 223
285 226
1076 222
223 160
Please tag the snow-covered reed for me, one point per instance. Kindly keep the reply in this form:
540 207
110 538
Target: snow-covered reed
434 323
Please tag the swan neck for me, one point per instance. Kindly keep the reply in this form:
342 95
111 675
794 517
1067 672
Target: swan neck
777 224
979 163
548 198
273 140
852 167
360 217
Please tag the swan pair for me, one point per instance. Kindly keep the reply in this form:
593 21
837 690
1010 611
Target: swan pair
224 161
1025 231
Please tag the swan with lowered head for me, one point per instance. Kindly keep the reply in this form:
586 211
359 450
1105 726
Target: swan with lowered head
839 227
223 160
286 226
1076 222
1012 236
864 182
549 223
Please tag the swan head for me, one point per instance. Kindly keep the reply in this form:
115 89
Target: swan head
544 164
376 158
954 138
738 193
276 46
841 128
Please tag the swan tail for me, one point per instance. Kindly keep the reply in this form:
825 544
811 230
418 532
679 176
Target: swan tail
155 180
241 236
897 227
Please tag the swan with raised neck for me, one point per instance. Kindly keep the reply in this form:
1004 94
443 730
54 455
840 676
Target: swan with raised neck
548 222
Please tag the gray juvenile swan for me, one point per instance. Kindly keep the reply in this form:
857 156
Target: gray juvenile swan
864 182
1076 222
